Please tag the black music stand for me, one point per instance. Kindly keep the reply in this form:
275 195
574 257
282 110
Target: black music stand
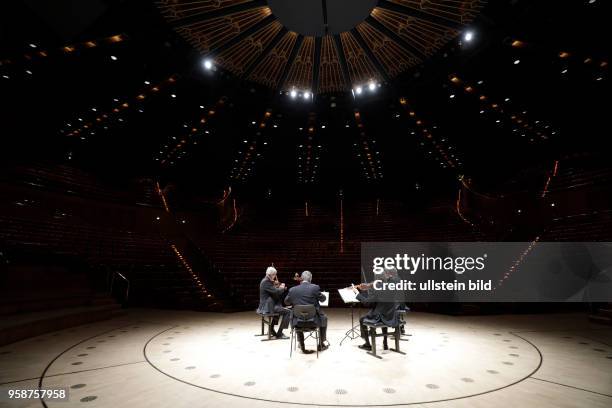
352 333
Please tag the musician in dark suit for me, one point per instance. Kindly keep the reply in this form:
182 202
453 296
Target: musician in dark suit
270 301
307 293
382 310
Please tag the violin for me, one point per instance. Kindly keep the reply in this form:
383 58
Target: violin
361 286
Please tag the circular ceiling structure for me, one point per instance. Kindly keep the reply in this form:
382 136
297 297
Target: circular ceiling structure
321 17
319 46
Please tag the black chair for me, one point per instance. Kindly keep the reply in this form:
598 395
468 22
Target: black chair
267 319
372 326
305 315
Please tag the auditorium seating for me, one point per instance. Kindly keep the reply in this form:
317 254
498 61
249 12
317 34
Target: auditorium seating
42 290
62 210
72 181
295 242
110 233
589 226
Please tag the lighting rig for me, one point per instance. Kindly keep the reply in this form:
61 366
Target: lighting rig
309 152
251 149
366 151
430 142
88 127
35 52
196 131
503 111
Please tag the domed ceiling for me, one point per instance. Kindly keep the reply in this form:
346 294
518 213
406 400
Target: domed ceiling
318 46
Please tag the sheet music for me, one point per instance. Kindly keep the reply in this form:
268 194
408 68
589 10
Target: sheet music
326 303
348 296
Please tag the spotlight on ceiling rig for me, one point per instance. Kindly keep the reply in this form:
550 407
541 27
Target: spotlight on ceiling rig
299 95
371 86
468 36
208 64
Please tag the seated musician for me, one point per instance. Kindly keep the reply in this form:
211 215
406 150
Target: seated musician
307 293
381 310
270 301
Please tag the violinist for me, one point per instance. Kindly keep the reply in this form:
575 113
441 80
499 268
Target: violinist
381 310
271 292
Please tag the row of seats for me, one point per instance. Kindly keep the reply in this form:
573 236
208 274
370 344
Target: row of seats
94 243
295 242
72 181
589 226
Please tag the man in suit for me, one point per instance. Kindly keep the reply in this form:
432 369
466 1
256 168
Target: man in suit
307 293
382 310
270 301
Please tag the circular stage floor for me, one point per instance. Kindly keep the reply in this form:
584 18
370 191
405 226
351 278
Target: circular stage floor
160 358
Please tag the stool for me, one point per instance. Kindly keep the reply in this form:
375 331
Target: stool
373 335
267 319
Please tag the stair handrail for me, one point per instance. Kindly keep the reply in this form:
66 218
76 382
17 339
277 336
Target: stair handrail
127 281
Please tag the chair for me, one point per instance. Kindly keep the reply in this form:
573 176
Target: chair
401 315
267 319
305 315
372 326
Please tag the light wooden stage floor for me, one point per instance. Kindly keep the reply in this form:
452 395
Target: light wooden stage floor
154 358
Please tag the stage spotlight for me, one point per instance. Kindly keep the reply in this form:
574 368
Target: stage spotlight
468 36
208 64
114 58
358 90
372 86
293 93
306 95
517 61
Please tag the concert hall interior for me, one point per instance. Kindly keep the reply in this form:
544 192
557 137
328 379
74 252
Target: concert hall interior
194 196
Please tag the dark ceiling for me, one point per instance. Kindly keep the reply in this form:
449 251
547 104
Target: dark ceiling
111 87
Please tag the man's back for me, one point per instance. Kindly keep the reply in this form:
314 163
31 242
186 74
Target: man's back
305 293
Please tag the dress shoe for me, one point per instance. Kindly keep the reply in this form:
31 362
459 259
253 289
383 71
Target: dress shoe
304 351
365 347
281 336
322 347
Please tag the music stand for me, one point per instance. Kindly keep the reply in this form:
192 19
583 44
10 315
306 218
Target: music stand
349 297
352 333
